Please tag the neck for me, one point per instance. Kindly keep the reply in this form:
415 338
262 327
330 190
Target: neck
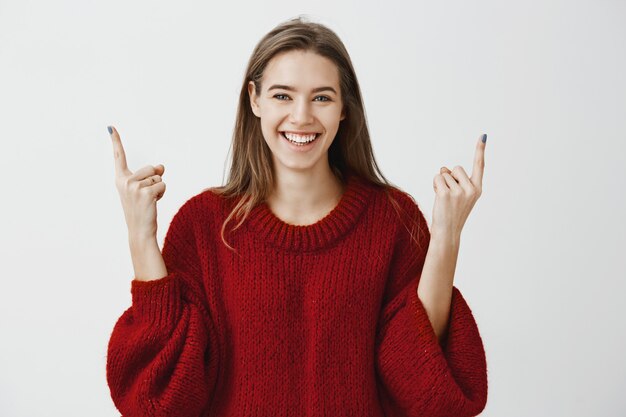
304 198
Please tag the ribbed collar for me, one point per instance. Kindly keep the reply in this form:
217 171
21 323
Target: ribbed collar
275 232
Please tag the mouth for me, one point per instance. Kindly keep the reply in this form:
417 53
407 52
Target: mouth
300 141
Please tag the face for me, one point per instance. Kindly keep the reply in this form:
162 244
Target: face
300 107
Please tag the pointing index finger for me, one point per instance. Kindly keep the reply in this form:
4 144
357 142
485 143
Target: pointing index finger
118 152
479 162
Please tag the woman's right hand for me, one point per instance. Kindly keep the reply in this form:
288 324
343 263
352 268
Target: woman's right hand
138 192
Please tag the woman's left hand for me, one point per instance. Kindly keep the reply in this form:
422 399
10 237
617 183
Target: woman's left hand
456 195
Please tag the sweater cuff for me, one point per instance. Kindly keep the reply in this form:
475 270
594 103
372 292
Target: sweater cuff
459 319
462 345
157 302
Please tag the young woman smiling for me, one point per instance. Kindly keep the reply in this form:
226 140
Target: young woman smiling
329 295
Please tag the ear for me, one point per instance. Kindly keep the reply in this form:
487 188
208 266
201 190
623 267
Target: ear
343 115
253 99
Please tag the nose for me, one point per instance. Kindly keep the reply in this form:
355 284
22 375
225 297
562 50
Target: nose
301 113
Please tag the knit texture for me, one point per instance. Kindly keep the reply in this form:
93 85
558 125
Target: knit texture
313 320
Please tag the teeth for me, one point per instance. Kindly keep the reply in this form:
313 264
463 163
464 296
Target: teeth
299 138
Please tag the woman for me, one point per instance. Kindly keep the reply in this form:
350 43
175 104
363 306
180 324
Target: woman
293 289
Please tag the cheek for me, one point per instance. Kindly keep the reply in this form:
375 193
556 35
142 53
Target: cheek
271 117
269 133
332 113
331 120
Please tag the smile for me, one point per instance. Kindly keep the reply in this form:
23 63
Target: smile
300 140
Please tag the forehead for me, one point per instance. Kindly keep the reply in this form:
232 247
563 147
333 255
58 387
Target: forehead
302 69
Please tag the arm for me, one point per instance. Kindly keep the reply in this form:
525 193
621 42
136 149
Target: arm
419 375
148 262
161 358
436 282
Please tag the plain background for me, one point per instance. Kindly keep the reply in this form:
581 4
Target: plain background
542 254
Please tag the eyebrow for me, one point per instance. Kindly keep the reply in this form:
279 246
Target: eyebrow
290 88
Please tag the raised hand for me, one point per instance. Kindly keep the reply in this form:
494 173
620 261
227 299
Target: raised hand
138 192
456 195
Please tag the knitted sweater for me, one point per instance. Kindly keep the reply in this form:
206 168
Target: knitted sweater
314 320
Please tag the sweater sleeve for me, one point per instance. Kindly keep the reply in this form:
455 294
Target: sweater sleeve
160 358
418 375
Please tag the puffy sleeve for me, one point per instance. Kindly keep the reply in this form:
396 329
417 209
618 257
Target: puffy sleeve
160 355
419 377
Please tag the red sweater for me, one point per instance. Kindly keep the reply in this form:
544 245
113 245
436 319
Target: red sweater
316 320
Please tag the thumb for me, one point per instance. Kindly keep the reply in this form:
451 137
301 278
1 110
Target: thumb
160 168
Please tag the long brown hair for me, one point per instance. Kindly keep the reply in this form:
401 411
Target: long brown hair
251 175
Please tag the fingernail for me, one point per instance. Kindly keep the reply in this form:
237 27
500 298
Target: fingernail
484 137
110 130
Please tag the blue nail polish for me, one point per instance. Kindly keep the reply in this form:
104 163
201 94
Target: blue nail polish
484 137
111 130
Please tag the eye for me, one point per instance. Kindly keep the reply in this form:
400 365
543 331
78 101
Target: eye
278 97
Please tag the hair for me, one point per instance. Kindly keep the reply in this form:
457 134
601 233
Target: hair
251 175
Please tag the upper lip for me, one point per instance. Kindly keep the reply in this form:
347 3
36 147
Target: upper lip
295 132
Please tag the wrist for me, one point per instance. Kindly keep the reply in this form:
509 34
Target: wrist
445 239
142 242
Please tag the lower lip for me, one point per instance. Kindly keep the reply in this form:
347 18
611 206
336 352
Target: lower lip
300 148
